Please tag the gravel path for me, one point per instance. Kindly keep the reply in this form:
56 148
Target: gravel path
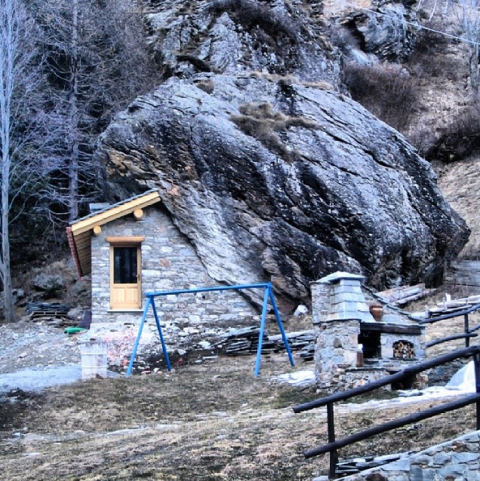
34 356
35 345
38 379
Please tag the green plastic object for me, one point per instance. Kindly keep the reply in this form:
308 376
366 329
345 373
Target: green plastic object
73 330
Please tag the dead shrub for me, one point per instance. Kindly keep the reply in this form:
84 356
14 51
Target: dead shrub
321 85
386 91
262 122
422 139
461 138
251 14
207 86
431 57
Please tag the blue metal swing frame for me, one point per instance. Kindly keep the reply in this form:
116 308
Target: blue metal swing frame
268 295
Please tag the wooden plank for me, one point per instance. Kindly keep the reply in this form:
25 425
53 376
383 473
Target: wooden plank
124 240
390 328
394 295
83 247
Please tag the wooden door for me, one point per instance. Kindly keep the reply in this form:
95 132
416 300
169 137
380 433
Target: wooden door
125 277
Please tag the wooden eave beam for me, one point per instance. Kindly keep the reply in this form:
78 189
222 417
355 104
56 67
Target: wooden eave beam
115 213
73 250
125 240
83 248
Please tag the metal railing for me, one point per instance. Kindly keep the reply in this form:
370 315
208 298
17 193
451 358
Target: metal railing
334 445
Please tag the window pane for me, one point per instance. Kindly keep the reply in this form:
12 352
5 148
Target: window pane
125 265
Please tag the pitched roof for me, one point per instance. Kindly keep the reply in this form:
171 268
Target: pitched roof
79 232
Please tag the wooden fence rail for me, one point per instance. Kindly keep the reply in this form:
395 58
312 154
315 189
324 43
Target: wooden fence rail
467 330
333 445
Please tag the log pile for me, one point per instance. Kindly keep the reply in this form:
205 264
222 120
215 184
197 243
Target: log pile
403 350
400 296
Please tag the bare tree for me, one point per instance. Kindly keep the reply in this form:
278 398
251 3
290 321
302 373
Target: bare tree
98 62
470 24
16 83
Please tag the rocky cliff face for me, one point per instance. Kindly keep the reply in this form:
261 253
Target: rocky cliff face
273 176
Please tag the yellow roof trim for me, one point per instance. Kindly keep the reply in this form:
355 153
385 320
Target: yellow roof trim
115 212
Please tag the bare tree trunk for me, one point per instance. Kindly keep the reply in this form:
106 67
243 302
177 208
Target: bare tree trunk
98 61
8 54
9 309
474 68
470 21
74 161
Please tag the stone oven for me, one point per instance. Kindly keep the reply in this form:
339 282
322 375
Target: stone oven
360 337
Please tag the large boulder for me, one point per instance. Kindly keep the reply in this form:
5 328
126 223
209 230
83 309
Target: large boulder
388 29
230 36
276 179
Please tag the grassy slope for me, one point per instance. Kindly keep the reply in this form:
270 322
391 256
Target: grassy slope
204 422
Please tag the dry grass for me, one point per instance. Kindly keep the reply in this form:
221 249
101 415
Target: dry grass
261 121
202 422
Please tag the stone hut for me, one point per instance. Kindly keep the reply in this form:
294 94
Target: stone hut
133 247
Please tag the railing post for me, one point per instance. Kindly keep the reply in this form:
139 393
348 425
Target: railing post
476 361
331 439
466 329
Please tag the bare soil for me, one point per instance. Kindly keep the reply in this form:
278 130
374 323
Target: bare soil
208 421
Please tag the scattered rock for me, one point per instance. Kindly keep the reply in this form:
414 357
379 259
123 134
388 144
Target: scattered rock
51 284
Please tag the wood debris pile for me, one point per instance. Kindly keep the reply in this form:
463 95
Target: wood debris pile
245 341
53 314
449 305
400 296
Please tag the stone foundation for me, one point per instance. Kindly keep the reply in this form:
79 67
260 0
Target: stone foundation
456 460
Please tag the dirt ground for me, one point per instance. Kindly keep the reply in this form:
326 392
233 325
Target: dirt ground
210 421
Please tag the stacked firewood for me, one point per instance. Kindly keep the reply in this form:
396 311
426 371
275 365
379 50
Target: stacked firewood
403 350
